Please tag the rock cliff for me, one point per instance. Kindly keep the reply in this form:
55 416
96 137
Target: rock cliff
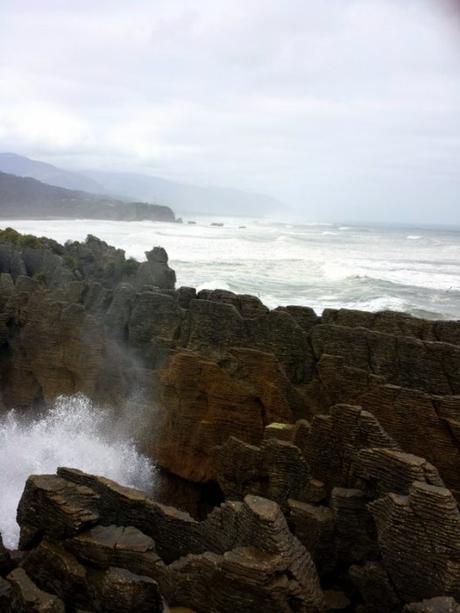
314 461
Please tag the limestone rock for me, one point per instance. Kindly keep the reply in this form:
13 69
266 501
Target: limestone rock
55 507
5 595
314 526
434 605
120 591
336 439
57 571
5 559
355 533
388 470
276 470
248 306
375 588
26 597
419 539
244 550
392 322
204 403
433 367
409 416
156 271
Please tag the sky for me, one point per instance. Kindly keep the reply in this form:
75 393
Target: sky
345 110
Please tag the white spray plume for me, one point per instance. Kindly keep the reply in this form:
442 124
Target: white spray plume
73 433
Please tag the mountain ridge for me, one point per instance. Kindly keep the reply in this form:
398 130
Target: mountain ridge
184 198
28 198
15 164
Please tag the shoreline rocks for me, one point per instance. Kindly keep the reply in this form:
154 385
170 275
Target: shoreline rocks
317 457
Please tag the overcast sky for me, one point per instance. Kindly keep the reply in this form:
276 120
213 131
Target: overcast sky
342 109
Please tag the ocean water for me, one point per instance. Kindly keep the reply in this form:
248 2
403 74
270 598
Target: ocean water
319 265
71 433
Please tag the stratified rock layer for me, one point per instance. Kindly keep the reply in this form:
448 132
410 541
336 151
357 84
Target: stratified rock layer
332 442
114 549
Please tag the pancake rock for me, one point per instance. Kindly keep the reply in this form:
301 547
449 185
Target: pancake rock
306 462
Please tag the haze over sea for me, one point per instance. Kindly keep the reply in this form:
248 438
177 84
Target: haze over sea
416 270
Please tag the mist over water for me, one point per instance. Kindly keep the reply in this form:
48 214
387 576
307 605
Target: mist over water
416 270
72 433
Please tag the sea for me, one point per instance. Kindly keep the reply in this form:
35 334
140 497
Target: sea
321 265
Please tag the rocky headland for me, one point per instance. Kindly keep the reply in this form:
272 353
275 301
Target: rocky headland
306 463
27 198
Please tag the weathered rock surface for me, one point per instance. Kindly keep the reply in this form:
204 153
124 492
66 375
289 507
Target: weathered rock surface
5 559
244 551
332 442
419 538
434 605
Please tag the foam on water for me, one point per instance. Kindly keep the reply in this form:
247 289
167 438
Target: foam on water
320 265
71 433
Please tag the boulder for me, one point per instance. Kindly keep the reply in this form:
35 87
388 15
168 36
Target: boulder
26 597
244 550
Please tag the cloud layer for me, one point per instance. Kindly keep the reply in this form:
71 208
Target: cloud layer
346 109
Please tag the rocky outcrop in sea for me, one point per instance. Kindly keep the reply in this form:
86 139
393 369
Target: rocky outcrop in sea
306 463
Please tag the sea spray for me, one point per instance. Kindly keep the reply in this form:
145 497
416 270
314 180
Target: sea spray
74 433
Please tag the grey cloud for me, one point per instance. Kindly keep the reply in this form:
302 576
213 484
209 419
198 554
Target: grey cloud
346 109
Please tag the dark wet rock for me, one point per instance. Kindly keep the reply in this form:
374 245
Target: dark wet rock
304 316
5 559
354 527
314 526
335 440
433 367
120 590
409 416
441 604
203 403
375 588
244 550
5 595
248 306
26 597
392 322
388 470
55 570
326 441
419 539
185 295
276 470
336 601
156 270
119 546
56 507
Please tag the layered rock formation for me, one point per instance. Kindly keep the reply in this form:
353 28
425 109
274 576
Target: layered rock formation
332 443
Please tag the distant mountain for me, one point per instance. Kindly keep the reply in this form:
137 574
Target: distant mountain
14 164
26 198
183 198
